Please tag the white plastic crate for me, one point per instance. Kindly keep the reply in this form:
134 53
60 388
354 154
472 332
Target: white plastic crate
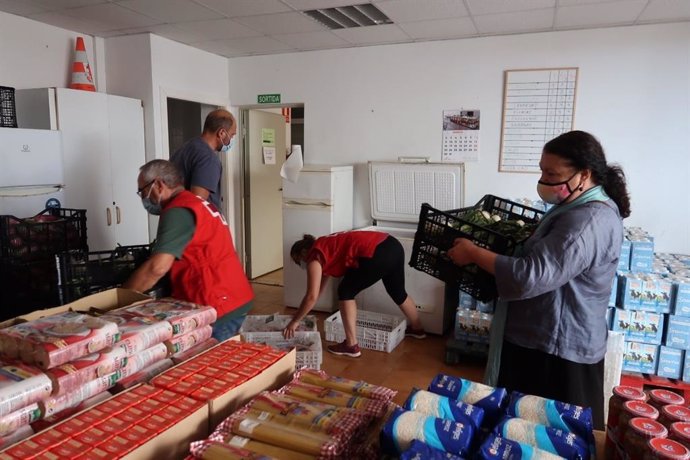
306 358
262 324
375 331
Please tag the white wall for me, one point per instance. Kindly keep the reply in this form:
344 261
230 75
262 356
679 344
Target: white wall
36 55
379 103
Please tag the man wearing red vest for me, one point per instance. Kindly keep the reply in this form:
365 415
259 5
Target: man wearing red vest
194 244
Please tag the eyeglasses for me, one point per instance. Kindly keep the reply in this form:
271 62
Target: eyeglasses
140 191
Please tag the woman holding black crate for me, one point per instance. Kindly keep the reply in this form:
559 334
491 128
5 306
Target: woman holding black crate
557 290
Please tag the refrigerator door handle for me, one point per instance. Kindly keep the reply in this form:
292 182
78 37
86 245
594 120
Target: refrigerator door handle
108 216
117 214
314 203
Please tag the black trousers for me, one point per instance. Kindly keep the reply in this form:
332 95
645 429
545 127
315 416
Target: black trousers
537 373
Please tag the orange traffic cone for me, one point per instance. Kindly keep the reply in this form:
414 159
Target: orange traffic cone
81 70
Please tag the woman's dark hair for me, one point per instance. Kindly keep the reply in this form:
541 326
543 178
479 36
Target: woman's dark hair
583 151
305 243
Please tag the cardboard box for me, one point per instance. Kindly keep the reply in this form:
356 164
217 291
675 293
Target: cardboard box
640 357
639 326
614 292
681 298
624 261
686 368
678 332
642 255
670 362
646 293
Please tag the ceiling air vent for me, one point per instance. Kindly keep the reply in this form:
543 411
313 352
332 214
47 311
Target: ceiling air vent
346 17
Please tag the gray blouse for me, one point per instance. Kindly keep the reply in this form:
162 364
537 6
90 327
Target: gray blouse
558 291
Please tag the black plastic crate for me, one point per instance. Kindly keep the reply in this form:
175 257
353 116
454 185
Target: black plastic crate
8 112
81 273
26 287
40 237
437 230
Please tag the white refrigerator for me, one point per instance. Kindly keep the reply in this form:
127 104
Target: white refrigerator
319 203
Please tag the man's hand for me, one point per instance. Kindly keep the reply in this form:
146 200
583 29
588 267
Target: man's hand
462 251
289 331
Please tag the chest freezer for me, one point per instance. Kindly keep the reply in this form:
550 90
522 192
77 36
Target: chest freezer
397 193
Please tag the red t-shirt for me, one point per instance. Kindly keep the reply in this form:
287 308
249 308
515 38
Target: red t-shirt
340 251
209 271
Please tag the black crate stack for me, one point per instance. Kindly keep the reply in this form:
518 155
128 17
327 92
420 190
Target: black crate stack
8 113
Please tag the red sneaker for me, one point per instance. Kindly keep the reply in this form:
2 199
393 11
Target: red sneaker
416 333
342 349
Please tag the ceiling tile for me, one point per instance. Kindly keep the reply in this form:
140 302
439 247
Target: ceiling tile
68 22
440 28
414 10
173 32
580 2
312 40
245 46
170 10
666 10
112 16
303 5
520 21
389 33
281 23
598 14
61 4
21 7
506 6
217 29
234 8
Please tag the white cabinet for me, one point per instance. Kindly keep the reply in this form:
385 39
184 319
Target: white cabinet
103 148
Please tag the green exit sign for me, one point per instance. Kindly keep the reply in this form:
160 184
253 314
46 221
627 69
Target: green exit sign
269 98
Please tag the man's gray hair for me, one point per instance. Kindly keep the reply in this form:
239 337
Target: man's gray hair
164 170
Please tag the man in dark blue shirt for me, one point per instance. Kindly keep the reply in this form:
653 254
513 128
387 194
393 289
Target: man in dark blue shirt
198 160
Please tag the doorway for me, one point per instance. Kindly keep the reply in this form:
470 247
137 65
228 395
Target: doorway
267 136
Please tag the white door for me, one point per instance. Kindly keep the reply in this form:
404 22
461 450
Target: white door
83 120
264 192
127 155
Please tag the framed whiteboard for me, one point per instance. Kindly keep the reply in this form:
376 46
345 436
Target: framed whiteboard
538 105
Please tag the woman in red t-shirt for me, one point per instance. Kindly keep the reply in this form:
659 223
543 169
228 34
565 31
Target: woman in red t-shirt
361 258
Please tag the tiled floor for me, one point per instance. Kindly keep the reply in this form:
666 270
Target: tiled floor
413 363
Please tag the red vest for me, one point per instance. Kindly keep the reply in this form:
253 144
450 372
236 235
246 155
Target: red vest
340 251
209 272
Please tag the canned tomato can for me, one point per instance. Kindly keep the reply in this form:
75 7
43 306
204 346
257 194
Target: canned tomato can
640 431
620 395
660 398
666 449
680 431
633 409
672 413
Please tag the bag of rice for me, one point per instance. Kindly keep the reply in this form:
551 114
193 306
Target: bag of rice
374 407
189 340
182 316
68 377
243 449
57 339
554 414
25 416
137 333
22 385
360 388
498 448
490 399
438 406
403 427
420 451
558 442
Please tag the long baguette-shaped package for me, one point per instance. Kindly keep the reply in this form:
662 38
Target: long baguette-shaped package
17 419
51 420
138 333
57 339
182 316
438 406
56 404
188 340
498 448
22 385
70 376
250 450
558 442
354 387
374 407
142 360
491 400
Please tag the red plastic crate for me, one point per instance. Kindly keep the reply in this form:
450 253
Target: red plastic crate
650 382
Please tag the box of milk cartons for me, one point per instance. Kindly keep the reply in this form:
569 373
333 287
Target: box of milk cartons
670 363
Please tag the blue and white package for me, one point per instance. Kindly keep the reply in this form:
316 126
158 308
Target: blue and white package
490 399
498 448
420 451
554 414
403 427
678 332
438 406
558 442
670 362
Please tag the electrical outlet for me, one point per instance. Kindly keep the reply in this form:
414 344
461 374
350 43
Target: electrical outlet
425 308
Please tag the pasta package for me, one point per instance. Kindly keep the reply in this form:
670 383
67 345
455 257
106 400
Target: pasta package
68 377
420 451
177 358
554 414
403 427
360 388
374 407
142 360
22 385
16 436
182 316
51 420
490 399
56 404
57 339
498 448
189 340
144 375
138 333
438 406
558 442
241 450
17 419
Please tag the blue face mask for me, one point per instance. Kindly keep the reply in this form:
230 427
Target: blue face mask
150 206
228 146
